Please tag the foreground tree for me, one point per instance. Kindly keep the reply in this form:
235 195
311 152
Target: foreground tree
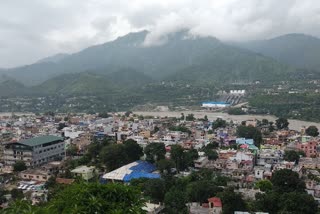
98 198
23 207
312 131
17 194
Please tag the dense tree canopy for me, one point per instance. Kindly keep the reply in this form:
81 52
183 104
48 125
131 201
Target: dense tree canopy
183 159
165 165
251 133
286 180
282 123
175 201
231 201
87 198
155 189
155 152
19 166
219 123
291 155
312 131
264 185
133 150
200 191
180 128
117 155
178 157
190 117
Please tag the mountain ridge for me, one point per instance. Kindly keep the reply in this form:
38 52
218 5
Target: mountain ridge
179 53
295 49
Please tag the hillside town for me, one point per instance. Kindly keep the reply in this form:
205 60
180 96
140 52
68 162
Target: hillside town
219 166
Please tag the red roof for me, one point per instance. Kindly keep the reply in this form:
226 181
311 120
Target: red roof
216 201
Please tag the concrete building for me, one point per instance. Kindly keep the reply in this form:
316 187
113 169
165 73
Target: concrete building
35 175
85 172
35 151
309 148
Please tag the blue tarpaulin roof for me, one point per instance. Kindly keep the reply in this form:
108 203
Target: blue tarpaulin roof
134 175
143 166
142 170
137 169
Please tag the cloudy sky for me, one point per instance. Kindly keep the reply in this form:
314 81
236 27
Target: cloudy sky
33 29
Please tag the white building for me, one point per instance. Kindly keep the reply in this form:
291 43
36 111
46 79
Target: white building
237 92
215 104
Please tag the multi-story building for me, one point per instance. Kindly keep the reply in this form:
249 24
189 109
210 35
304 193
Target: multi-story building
35 151
309 148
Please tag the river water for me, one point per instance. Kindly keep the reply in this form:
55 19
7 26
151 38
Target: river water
293 124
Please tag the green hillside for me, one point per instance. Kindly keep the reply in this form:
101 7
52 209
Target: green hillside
298 50
197 58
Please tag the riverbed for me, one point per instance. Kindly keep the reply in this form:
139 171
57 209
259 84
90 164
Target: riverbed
293 124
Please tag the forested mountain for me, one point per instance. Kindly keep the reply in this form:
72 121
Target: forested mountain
298 50
10 88
181 57
87 83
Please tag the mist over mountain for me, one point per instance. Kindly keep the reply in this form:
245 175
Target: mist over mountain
179 57
55 58
299 50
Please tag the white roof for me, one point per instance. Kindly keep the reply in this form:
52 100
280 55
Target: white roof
82 169
119 174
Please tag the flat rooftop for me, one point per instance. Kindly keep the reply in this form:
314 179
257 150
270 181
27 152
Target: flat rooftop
41 140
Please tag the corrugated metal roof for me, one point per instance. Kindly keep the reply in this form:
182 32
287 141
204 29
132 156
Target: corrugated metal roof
40 140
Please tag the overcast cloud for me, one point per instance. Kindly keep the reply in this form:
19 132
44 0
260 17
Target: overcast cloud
34 29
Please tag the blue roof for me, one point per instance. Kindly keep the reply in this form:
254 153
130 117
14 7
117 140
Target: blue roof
244 141
99 134
135 175
143 166
143 169
223 103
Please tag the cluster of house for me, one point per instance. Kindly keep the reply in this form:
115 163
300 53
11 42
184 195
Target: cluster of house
41 143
